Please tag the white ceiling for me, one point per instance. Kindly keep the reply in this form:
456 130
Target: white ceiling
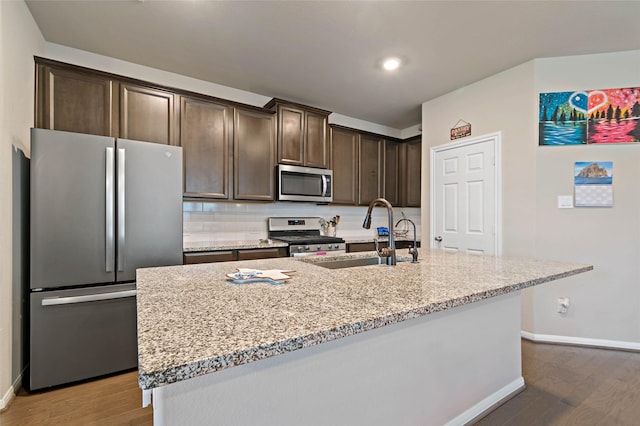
326 53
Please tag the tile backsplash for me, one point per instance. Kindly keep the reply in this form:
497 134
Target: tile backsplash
218 222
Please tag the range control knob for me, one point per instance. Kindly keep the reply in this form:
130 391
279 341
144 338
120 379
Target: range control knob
300 248
319 248
306 248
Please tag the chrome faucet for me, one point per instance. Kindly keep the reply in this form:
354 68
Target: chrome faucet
388 252
414 250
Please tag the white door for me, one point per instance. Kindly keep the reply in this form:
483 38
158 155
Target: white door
465 195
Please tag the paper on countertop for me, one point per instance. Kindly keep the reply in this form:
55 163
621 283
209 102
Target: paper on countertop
273 274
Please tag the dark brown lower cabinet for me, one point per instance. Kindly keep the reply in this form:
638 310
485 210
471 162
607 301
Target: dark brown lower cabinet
261 253
209 257
358 247
192 258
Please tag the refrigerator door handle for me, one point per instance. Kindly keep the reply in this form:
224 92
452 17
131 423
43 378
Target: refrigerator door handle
53 301
121 209
109 211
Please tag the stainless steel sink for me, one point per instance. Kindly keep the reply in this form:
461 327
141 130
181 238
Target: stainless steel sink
352 263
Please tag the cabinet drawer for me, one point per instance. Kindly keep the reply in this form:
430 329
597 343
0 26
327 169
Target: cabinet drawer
261 253
406 244
358 247
209 257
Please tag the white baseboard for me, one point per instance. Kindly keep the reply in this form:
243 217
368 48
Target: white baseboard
11 392
489 403
581 341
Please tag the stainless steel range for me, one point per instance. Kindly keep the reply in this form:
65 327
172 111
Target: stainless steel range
303 236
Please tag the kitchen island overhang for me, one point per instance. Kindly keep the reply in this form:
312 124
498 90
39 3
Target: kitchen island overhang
192 322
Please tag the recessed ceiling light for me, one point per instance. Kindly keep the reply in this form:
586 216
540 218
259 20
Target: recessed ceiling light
391 64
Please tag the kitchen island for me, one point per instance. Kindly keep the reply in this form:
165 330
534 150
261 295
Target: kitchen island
435 342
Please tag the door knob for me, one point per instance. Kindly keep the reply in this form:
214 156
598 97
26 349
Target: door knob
438 238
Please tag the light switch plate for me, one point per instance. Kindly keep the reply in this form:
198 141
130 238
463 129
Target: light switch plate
565 201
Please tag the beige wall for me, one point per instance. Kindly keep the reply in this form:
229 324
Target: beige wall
605 302
501 103
20 39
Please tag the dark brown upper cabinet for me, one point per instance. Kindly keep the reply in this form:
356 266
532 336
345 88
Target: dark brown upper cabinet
254 155
205 137
411 166
230 149
344 163
75 101
147 114
391 169
369 168
302 134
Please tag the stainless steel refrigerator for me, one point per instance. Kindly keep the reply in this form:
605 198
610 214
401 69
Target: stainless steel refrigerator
100 208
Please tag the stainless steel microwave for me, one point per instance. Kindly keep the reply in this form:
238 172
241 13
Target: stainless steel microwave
297 183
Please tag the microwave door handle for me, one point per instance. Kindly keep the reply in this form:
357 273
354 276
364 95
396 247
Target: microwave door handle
324 185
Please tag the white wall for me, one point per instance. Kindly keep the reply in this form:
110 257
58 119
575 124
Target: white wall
20 39
604 303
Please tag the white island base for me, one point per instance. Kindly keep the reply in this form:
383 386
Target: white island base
444 368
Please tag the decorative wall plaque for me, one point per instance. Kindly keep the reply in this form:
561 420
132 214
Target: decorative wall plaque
461 130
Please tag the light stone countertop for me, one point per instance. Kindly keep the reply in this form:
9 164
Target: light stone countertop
256 244
191 321
232 245
370 240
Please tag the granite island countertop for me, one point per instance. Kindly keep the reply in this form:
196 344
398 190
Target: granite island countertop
191 321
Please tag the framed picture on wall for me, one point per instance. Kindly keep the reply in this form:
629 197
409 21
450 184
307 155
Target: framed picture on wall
606 116
562 118
593 183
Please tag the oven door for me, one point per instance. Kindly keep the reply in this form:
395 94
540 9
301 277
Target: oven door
297 183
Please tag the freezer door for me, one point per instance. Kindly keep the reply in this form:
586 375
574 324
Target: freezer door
82 333
149 206
72 236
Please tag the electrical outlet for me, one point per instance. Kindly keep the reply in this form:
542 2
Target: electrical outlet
562 305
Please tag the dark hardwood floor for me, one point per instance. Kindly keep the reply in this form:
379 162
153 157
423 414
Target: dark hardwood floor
566 385
569 385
